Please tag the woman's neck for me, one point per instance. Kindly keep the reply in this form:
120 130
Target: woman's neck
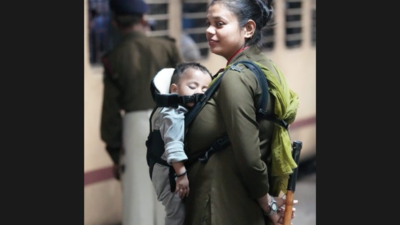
237 52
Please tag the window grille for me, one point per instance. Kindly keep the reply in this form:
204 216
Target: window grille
268 33
158 18
293 29
194 23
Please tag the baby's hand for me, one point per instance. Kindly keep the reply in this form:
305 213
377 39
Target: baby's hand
182 186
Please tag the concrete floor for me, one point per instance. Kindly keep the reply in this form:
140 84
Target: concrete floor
305 193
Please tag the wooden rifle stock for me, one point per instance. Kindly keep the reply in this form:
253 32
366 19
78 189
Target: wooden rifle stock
297 145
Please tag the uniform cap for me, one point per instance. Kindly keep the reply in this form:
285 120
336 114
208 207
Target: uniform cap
128 7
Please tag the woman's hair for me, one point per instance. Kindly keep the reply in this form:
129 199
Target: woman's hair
257 10
180 69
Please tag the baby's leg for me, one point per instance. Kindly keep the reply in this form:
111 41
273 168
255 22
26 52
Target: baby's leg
174 208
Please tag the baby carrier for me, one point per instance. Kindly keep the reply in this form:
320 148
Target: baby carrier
160 93
159 89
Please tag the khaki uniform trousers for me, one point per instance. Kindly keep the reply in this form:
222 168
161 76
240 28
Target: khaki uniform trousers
140 205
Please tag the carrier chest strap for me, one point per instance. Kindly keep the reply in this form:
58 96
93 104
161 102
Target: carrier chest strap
264 115
194 111
172 99
217 145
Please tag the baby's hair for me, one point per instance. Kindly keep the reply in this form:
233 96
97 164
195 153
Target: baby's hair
180 69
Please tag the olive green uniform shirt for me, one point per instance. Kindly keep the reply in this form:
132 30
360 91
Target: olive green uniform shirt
225 189
129 69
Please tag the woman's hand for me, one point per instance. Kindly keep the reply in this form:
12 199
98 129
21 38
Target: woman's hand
276 218
281 212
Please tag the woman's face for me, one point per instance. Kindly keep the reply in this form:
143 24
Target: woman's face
224 35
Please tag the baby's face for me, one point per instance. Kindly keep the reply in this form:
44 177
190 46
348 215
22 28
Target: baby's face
193 81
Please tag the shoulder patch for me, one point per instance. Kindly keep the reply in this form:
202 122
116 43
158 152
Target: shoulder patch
168 38
235 68
107 67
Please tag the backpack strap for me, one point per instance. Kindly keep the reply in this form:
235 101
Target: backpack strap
263 100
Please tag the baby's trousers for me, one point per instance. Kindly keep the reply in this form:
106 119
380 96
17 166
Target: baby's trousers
174 208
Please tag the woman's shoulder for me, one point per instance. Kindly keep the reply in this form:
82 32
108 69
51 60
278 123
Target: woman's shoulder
238 75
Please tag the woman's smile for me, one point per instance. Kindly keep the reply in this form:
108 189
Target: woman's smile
212 43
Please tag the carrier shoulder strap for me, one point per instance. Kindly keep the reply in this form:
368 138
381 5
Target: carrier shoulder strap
224 141
262 102
194 111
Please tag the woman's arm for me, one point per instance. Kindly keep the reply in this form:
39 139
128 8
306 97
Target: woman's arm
236 101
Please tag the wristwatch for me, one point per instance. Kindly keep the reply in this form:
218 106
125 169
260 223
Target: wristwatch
273 207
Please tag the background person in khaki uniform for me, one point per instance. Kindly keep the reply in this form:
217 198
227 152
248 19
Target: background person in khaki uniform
127 105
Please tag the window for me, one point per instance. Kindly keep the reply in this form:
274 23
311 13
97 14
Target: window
102 34
194 23
157 16
293 23
268 33
267 42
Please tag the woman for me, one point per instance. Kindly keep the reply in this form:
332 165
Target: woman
232 187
